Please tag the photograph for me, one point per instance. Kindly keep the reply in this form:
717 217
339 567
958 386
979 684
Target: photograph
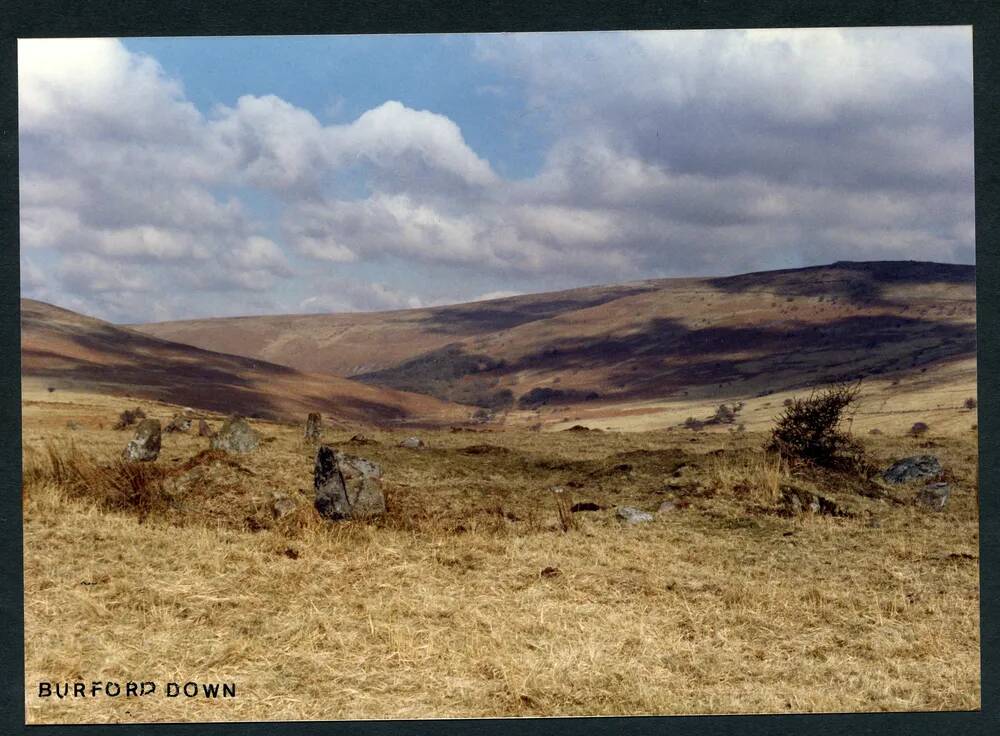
498 375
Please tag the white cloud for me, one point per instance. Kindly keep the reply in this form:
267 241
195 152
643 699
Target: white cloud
393 134
344 295
502 294
672 153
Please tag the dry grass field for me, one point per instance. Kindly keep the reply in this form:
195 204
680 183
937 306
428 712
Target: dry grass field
469 598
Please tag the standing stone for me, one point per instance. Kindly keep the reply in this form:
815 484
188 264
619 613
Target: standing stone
912 468
204 430
347 487
145 445
314 426
934 495
236 435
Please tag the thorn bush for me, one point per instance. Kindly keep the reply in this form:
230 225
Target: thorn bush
809 428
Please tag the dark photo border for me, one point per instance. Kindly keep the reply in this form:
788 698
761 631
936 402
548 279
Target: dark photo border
62 18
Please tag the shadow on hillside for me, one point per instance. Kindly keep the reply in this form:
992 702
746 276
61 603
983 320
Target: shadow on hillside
475 318
859 283
667 356
845 349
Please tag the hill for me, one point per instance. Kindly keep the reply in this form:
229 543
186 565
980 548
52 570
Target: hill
601 350
66 350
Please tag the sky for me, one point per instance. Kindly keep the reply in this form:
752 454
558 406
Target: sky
176 178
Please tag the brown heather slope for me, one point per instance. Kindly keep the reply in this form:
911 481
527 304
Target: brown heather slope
66 350
605 349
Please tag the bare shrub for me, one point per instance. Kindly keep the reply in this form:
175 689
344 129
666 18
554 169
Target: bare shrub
118 485
919 429
564 508
970 403
726 414
124 486
809 429
129 417
692 423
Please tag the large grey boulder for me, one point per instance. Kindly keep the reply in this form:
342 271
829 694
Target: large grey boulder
314 427
145 445
934 496
912 468
236 435
347 487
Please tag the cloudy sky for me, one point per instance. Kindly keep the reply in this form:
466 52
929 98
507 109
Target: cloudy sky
167 178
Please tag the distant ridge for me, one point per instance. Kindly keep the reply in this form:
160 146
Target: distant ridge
69 350
729 336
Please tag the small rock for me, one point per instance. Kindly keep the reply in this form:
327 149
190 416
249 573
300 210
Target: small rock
793 504
912 468
236 435
934 495
360 439
412 443
666 507
145 446
204 430
178 423
631 515
282 505
72 425
314 427
346 487
796 500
